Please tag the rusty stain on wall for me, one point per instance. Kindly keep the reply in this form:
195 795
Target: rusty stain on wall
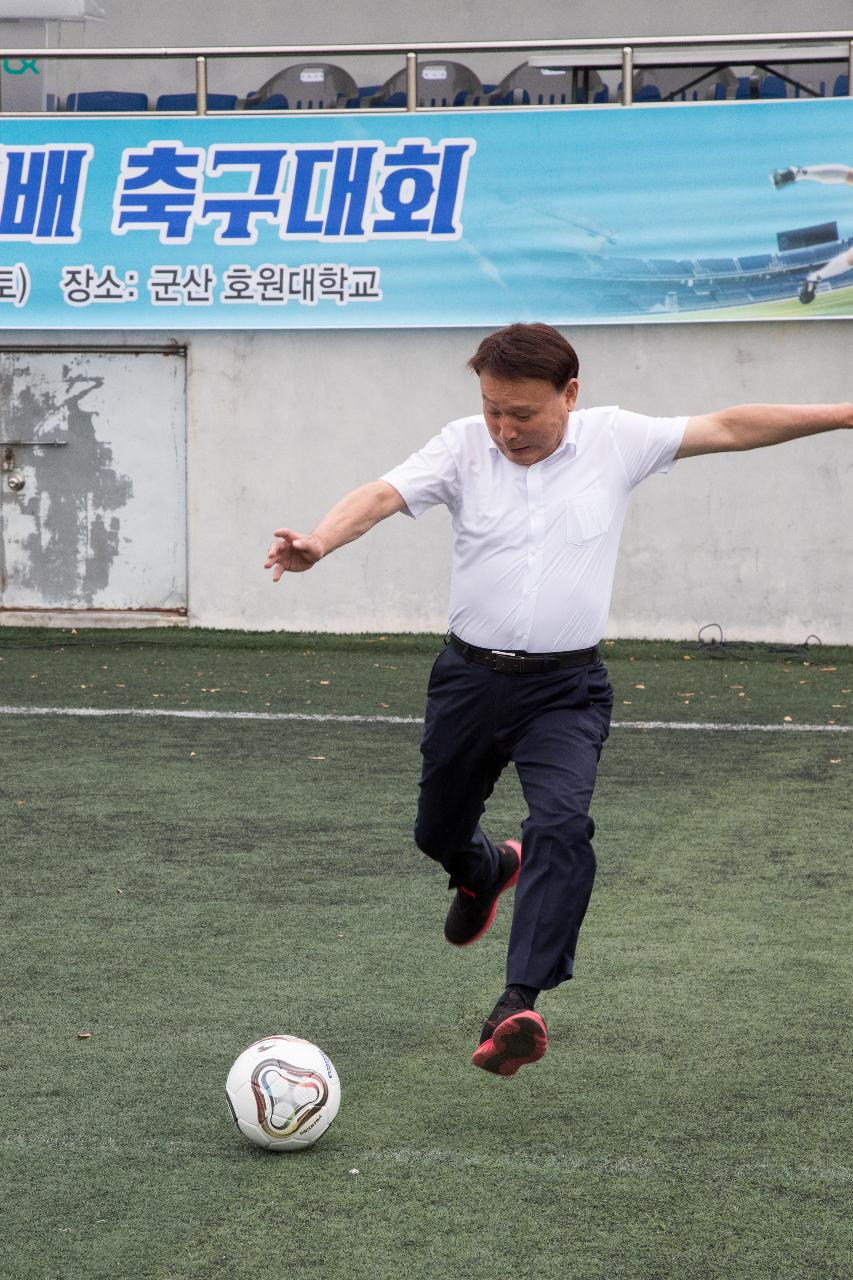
73 491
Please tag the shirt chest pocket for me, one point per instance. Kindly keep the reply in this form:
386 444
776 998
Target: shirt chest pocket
588 516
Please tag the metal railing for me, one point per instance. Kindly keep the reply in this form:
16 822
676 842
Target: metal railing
626 48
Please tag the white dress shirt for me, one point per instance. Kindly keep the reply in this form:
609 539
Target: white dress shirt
534 551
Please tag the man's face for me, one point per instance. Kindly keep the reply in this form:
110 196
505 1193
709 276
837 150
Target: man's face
526 417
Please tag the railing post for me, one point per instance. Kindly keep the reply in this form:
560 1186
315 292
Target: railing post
627 75
850 70
201 86
411 82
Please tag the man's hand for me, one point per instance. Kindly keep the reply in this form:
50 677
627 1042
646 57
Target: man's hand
292 553
348 519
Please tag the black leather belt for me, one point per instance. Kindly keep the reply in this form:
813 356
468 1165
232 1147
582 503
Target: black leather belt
516 664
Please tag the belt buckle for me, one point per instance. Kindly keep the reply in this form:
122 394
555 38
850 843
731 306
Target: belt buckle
506 663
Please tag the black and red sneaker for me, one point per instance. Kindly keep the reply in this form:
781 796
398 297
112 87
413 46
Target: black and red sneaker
471 914
513 1035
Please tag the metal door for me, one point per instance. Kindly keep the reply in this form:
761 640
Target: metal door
92 480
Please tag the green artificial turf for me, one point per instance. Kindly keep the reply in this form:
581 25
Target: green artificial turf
386 675
175 889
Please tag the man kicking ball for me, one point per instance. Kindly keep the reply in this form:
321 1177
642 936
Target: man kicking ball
831 173
538 490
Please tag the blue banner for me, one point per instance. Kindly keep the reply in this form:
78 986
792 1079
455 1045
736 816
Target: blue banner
740 210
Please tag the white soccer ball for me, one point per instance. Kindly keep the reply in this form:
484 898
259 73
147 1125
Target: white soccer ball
283 1093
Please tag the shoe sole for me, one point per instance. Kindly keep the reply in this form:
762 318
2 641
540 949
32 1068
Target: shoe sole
519 1039
510 884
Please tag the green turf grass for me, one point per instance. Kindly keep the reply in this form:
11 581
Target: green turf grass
386 675
688 1121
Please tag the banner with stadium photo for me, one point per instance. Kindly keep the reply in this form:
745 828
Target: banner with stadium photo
707 211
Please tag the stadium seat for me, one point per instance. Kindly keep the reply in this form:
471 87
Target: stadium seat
188 102
772 87
535 86
748 86
275 102
440 84
647 93
106 100
841 88
307 86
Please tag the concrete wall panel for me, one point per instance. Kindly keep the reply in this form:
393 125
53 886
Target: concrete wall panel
281 424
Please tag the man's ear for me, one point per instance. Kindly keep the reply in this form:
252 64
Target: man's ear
571 393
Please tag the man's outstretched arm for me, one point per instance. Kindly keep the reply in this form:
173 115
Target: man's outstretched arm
754 426
358 511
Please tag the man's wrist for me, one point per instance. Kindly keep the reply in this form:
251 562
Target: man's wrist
320 545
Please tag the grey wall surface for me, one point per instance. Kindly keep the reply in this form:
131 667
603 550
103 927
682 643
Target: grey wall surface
281 424
159 23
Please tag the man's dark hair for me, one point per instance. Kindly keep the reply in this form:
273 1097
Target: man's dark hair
526 351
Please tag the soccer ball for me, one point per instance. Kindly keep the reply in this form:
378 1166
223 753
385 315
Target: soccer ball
283 1093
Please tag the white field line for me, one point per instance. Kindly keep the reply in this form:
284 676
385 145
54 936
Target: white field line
317 718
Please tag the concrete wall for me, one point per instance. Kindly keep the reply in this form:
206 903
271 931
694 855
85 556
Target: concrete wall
281 424
159 23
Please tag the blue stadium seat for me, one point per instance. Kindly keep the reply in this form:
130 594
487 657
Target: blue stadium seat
841 88
772 87
647 93
188 102
748 86
107 100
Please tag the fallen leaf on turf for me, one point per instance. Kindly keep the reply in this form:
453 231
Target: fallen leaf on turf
626 702
687 657
829 668
120 892
316 757
835 760
353 1170
325 682
639 686
788 718
84 1035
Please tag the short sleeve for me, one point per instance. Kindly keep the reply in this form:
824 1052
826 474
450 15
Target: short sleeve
646 445
427 478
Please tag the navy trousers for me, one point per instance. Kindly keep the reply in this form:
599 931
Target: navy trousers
552 727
